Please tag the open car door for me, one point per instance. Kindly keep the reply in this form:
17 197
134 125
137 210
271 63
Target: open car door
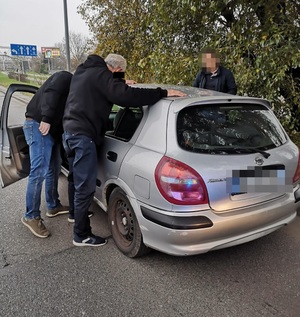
14 161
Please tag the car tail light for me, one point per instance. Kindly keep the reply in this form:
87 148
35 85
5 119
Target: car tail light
297 172
179 183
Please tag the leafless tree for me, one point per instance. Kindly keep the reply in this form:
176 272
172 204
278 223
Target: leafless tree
80 47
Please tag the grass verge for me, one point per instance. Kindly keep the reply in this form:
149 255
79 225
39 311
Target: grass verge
35 80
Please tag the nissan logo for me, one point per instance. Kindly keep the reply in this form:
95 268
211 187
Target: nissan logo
259 160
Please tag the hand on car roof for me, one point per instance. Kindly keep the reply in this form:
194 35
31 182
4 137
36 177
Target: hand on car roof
175 93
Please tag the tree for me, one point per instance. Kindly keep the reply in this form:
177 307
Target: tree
80 47
258 40
123 28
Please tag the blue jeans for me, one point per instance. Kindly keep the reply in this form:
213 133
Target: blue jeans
45 163
82 158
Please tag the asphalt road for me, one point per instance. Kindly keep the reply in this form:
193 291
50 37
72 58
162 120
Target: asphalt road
51 277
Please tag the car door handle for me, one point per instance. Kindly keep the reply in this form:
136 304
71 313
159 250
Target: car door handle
112 156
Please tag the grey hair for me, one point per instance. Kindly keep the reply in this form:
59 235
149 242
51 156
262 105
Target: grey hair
116 61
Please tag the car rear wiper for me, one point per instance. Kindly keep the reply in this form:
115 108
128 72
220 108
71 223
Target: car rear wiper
245 149
254 150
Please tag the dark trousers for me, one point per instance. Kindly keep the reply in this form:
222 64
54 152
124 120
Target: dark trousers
82 158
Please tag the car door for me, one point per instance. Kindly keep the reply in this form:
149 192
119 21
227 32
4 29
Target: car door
14 160
117 142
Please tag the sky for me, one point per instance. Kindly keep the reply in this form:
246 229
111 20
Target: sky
38 22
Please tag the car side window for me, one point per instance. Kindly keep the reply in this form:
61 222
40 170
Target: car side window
124 122
17 108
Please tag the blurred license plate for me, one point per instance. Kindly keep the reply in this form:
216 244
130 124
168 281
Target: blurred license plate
259 179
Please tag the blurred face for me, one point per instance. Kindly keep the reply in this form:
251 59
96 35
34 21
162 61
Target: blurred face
210 61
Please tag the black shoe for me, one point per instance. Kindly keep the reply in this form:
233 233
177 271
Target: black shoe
72 220
91 240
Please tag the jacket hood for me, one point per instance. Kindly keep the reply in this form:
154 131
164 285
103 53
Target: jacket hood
94 61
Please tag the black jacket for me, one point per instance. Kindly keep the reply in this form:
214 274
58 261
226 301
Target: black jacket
93 92
49 101
225 81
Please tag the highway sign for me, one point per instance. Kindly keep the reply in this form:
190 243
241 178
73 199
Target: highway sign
23 49
50 52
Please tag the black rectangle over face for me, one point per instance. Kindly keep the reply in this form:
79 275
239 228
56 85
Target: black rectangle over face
119 74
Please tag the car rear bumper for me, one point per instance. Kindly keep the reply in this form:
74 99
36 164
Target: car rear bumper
199 232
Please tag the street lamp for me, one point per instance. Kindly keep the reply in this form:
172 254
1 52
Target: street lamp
67 35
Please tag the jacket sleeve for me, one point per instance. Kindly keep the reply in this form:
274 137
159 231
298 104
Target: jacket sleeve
52 96
197 80
230 83
120 93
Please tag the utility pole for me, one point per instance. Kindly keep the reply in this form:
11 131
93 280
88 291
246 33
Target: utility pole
67 35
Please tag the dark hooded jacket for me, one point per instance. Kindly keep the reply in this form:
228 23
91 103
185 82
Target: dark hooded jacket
49 101
93 92
225 81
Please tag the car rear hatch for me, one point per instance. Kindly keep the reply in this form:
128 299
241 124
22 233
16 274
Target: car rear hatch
239 149
234 181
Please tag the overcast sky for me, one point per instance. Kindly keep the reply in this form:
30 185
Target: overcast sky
38 22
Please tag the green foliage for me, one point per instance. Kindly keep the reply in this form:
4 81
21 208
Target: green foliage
43 68
5 81
257 39
34 79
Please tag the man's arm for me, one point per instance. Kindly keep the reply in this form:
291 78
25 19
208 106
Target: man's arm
119 93
197 80
230 83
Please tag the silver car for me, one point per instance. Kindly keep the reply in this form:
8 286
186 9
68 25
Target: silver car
184 176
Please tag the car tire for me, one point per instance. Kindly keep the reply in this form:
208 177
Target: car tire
124 225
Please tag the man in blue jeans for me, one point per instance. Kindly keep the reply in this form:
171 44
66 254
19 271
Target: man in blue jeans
96 85
43 133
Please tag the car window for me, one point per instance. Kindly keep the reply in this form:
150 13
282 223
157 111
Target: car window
17 108
124 121
226 129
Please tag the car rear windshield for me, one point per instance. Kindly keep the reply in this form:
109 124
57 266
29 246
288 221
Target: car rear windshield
226 129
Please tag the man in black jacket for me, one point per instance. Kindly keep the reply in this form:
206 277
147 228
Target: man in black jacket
43 132
95 87
213 76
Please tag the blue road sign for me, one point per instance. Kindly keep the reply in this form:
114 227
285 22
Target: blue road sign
23 50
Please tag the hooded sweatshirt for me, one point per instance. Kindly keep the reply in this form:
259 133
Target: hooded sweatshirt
93 92
49 101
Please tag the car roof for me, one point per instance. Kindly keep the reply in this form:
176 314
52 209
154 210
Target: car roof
200 93
190 91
